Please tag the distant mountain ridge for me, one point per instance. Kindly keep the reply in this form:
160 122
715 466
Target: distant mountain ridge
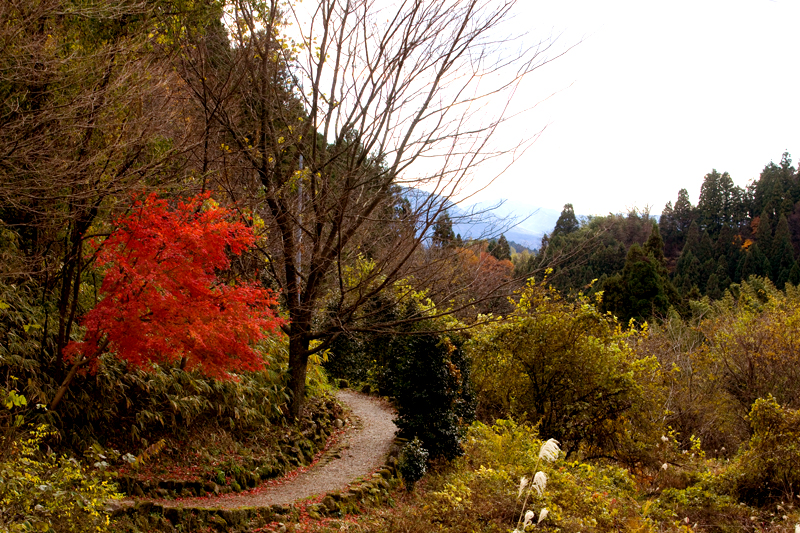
520 222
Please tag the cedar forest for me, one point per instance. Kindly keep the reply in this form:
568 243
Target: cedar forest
208 226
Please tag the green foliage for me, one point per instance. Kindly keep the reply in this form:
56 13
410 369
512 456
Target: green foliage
41 491
642 290
704 505
428 375
125 404
732 352
563 365
139 404
443 236
567 222
766 469
500 249
593 250
481 492
753 334
412 463
421 366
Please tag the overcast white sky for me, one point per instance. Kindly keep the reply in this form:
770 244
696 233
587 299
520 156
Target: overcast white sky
656 95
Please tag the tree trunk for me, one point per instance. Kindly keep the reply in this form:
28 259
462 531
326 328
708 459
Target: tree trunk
298 361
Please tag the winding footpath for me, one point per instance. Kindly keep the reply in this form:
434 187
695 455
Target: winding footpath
363 448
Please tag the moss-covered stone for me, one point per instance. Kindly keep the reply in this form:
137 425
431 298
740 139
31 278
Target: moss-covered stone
218 522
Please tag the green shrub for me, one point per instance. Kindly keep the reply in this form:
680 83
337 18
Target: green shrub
425 372
480 491
428 376
752 343
766 470
40 491
702 504
412 462
569 368
123 404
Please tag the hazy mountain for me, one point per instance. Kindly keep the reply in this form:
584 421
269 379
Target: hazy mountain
520 222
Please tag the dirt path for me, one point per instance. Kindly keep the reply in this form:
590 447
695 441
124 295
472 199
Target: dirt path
362 449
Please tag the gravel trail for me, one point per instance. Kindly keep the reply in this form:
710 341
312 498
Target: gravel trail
362 449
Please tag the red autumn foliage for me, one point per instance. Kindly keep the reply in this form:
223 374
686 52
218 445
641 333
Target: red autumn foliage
163 300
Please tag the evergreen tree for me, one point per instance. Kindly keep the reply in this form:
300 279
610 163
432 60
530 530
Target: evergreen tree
668 228
754 263
775 185
567 222
705 248
702 250
781 238
725 242
707 269
719 202
713 289
794 275
782 256
723 277
711 205
608 259
639 291
683 212
655 244
500 248
443 236
689 270
763 233
794 228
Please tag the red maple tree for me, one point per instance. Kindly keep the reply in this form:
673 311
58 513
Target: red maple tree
163 299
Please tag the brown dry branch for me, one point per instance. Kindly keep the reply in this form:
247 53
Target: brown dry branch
332 137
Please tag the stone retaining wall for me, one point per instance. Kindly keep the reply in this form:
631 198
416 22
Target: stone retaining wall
371 492
297 448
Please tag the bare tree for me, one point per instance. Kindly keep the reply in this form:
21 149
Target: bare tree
352 138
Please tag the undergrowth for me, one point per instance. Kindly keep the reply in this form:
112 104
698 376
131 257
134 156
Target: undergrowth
480 492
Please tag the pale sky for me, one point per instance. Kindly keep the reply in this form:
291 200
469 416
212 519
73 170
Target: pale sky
655 96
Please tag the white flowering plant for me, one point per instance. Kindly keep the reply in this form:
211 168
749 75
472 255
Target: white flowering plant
548 452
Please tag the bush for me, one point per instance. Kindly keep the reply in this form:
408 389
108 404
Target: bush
567 367
428 375
125 404
767 469
704 505
425 372
40 491
752 337
412 462
480 490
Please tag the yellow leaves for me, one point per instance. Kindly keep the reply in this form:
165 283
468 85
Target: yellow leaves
41 488
358 273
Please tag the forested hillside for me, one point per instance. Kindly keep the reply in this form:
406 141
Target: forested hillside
647 264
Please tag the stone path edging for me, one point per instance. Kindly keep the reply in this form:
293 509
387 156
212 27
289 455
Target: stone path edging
232 512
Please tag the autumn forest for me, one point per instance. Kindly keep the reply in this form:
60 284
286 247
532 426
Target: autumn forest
214 215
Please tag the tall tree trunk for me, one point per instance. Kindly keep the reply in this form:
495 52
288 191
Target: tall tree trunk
298 362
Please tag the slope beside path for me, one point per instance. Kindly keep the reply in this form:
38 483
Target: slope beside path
363 448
